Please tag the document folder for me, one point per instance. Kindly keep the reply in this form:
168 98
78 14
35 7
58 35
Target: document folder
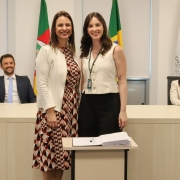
113 139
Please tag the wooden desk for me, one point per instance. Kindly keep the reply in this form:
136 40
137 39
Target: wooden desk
5 110
17 125
98 162
19 133
155 128
153 114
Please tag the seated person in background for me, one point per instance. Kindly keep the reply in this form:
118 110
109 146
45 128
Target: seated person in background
14 88
175 92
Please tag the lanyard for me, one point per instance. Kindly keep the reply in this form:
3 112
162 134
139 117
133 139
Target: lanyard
90 69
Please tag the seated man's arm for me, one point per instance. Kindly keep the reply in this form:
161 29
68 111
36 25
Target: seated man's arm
174 97
31 95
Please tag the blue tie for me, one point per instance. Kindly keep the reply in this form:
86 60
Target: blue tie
10 91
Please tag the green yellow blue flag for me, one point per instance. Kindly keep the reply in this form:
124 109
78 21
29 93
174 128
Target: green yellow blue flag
43 33
115 31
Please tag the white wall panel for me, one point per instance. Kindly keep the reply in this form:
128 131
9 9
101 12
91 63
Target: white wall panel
3 29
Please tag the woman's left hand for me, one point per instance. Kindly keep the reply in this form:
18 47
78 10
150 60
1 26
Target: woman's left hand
122 119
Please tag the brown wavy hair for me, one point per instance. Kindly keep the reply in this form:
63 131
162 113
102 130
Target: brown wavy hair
86 41
53 40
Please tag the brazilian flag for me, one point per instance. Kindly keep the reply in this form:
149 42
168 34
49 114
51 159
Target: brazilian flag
115 31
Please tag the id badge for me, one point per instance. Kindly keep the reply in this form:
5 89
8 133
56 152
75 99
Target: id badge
89 83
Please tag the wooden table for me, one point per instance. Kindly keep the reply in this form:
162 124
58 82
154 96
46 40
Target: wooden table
98 162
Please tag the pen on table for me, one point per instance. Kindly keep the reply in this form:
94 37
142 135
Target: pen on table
92 139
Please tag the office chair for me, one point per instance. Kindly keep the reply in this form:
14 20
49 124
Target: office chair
169 80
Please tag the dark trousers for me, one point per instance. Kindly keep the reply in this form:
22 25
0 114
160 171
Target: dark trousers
98 114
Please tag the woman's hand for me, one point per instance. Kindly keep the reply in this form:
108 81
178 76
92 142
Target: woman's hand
122 119
51 118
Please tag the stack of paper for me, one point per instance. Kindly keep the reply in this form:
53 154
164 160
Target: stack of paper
113 139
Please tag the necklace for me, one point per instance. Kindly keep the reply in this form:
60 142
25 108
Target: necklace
89 82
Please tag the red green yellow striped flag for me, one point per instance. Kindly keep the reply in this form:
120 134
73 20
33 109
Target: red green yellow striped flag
43 34
115 31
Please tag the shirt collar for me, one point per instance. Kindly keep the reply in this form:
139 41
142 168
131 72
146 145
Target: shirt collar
6 77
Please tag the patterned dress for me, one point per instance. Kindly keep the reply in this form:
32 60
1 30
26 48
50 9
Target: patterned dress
48 150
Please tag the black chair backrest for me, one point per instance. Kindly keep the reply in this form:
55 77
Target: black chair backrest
170 79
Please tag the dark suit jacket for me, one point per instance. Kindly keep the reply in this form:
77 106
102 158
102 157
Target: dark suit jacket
24 88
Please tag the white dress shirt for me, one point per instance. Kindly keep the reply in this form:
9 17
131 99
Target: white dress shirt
15 92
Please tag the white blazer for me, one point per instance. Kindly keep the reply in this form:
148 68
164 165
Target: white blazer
51 72
175 93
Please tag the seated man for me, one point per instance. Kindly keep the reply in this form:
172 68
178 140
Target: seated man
14 88
175 92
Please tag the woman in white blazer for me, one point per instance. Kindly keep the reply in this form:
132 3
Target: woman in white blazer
58 77
175 92
103 102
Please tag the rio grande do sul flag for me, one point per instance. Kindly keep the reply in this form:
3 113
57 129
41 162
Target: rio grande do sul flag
115 31
43 34
177 56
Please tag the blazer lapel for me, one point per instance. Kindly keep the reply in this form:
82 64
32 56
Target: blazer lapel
18 82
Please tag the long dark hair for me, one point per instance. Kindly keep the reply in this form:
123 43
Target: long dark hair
86 41
53 40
